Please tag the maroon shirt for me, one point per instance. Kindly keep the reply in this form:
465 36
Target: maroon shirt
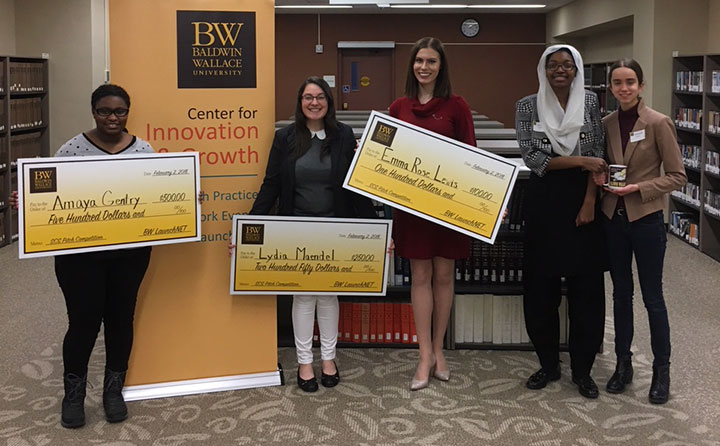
627 120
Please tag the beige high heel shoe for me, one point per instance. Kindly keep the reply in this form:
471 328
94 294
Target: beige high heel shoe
442 375
418 384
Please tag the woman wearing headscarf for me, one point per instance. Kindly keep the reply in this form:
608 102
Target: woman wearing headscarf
562 140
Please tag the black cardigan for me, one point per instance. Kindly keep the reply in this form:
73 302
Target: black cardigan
279 179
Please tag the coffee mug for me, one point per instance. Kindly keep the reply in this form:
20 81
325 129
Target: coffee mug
617 175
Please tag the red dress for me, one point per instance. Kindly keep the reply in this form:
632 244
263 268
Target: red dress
417 238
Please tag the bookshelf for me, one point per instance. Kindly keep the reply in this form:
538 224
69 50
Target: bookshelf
24 131
492 270
695 209
596 80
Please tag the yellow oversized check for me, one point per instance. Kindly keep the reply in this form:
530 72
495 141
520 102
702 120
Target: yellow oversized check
95 203
432 176
309 255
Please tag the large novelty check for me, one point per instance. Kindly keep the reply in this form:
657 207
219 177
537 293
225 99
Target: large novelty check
94 203
432 176
309 255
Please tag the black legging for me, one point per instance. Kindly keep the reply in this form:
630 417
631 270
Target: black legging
100 287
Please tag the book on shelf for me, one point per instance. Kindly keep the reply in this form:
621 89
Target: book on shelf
379 315
691 155
689 81
2 112
365 322
375 321
712 162
712 203
496 319
397 323
27 145
685 226
25 113
690 193
713 121
27 77
688 118
478 303
715 87
389 322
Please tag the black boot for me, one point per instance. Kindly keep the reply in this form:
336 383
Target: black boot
623 376
660 385
73 403
113 401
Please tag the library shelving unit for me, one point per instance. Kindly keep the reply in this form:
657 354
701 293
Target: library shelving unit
24 111
695 209
596 80
492 270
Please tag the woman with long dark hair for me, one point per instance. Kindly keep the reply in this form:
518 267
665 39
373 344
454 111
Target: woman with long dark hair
432 249
306 168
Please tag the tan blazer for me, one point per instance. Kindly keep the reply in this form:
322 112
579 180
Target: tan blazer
643 160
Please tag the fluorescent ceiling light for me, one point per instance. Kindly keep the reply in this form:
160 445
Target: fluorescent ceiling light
312 7
375 2
428 6
505 6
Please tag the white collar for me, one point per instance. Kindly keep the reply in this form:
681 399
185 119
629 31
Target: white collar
320 134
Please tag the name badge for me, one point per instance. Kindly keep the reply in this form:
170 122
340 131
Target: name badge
538 127
637 136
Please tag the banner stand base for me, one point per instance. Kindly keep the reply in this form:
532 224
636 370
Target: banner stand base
206 385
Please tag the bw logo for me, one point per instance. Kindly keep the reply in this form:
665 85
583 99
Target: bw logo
216 49
252 234
384 134
43 180
206 33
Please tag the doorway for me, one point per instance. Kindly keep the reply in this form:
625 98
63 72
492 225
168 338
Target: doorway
366 78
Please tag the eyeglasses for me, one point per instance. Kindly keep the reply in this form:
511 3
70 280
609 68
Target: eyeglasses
567 66
105 112
310 98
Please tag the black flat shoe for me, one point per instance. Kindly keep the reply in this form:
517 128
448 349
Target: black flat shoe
541 378
330 380
307 385
586 386
622 377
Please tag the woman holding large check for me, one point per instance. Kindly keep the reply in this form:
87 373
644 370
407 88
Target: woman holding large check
100 287
308 162
561 139
431 248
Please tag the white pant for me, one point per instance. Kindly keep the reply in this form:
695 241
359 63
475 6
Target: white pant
303 316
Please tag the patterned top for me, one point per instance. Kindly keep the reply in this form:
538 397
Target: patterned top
80 145
535 146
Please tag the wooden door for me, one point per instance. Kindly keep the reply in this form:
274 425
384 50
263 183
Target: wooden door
365 79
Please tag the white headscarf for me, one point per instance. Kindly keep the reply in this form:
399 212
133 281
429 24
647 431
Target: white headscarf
562 127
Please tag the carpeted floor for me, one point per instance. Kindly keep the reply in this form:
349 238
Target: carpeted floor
484 403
